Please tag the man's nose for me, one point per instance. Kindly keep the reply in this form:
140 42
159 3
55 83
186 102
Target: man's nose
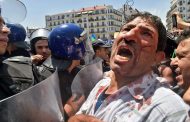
44 49
131 35
5 29
174 61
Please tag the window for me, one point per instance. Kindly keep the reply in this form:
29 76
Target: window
98 30
102 11
85 25
92 30
103 24
84 19
91 24
96 18
96 12
180 3
97 24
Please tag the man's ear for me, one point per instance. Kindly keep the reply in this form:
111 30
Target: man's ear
160 56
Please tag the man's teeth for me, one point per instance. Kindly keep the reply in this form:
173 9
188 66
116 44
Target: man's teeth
124 58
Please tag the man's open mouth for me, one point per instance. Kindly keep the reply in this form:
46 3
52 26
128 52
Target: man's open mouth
3 39
125 53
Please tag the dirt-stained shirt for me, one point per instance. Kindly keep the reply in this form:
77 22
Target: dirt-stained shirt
147 99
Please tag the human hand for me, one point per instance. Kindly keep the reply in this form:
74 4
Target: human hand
181 24
176 32
36 58
73 105
83 118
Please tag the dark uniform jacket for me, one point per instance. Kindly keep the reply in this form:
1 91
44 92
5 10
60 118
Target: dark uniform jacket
50 65
16 75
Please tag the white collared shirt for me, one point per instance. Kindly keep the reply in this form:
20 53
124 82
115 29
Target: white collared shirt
146 99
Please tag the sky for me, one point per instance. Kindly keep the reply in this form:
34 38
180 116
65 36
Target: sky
37 9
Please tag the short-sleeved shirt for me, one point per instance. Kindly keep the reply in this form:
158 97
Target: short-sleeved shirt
146 99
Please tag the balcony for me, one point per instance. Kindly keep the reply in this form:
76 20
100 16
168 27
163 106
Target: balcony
91 20
103 18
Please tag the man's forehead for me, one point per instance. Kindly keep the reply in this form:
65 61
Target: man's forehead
184 45
141 21
41 43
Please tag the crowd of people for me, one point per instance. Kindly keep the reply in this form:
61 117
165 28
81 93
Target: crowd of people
146 73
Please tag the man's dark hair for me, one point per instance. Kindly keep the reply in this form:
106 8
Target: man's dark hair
184 35
156 21
33 42
95 48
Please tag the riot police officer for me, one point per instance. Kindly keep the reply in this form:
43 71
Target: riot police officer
16 44
39 46
102 51
66 43
67 48
17 73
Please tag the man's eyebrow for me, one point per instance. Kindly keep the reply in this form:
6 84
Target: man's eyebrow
129 25
146 29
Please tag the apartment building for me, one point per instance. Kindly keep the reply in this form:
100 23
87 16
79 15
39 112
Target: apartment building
181 6
101 21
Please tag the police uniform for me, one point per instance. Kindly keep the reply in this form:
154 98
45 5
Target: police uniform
16 75
52 63
67 43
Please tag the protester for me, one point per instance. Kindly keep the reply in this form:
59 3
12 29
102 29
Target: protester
164 68
101 50
182 64
132 92
39 46
16 44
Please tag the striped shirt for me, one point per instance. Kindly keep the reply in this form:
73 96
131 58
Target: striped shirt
146 100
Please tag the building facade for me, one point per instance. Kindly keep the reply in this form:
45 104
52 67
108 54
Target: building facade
99 21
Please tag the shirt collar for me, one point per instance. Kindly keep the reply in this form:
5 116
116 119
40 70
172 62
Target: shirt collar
139 87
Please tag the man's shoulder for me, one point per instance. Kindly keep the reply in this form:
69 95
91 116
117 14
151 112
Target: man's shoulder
18 59
168 101
17 67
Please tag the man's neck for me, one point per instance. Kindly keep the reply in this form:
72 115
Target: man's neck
186 96
118 82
